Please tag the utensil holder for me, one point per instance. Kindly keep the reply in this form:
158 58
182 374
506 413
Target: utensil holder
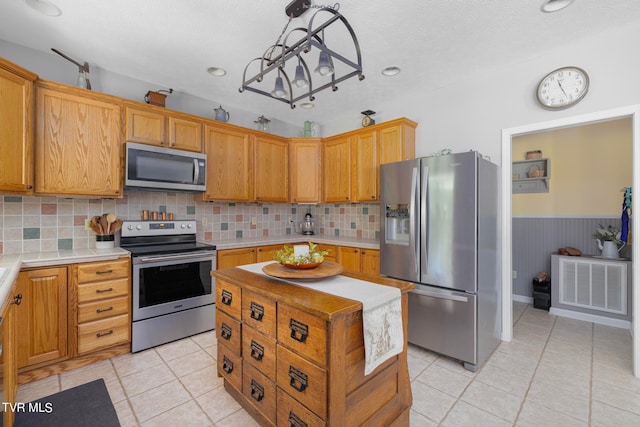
105 241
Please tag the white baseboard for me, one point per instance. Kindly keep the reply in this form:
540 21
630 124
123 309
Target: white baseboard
522 298
602 320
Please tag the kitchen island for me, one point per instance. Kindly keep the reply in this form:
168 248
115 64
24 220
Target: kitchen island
295 356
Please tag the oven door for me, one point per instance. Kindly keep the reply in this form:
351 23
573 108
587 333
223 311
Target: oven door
164 284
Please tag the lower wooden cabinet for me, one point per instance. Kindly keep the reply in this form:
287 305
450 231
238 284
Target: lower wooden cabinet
42 316
229 258
360 260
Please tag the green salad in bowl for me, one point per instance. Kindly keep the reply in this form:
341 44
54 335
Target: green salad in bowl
301 256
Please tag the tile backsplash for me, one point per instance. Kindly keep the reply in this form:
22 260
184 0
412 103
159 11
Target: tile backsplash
33 224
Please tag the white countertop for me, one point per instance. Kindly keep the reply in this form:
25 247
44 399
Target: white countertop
294 238
12 263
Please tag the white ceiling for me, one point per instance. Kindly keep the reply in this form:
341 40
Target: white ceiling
435 42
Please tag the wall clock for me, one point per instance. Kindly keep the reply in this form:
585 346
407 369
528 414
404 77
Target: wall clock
562 88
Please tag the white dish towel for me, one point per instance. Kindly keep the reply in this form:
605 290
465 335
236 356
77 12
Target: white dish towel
381 312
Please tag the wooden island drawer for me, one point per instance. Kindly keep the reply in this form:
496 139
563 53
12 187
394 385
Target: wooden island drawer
290 412
100 290
228 298
260 351
230 366
259 312
228 332
302 380
102 309
259 390
303 333
103 333
97 271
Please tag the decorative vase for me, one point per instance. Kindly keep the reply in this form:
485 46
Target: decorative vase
609 250
105 241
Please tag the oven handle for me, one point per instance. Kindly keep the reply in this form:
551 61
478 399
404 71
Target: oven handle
175 257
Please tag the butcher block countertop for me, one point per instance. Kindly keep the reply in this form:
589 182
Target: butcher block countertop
288 352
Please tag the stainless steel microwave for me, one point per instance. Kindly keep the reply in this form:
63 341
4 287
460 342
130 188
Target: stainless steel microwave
159 168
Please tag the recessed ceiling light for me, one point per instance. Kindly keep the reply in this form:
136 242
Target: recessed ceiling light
216 71
391 71
550 6
307 105
45 7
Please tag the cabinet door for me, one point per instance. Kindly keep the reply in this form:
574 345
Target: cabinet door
397 142
229 258
145 127
336 169
304 163
365 149
267 253
229 165
349 258
42 316
16 136
370 262
272 169
9 358
185 134
78 142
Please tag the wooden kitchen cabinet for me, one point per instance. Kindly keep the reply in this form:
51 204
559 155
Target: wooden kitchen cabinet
42 315
336 169
305 161
152 126
16 132
228 258
102 290
397 140
9 354
365 153
271 169
229 164
366 261
267 253
78 142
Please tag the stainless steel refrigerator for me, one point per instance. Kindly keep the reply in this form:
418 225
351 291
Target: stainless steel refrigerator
439 230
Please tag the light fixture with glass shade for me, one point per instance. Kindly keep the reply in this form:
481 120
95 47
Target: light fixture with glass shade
337 62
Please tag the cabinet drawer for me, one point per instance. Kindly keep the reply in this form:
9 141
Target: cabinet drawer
230 366
259 390
290 412
302 332
100 290
302 380
103 333
102 309
228 298
260 351
94 271
228 331
259 313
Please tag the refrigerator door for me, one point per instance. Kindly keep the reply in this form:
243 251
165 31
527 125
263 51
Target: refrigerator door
443 321
399 204
448 225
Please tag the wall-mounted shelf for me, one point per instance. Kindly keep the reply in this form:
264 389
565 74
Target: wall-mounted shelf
523 183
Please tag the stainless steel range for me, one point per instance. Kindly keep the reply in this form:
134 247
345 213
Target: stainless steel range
173 291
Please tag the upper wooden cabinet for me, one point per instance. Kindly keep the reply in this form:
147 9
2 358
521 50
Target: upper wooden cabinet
162 128
305 158
16 131
229 164
352 160
78 142
272 169
336 169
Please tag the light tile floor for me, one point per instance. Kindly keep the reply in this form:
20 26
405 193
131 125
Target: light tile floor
555 372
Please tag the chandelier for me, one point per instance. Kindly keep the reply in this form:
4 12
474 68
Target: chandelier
287 60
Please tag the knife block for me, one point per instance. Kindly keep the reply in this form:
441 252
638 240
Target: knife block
155 98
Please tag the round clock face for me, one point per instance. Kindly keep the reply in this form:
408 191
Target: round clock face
562 88
366 121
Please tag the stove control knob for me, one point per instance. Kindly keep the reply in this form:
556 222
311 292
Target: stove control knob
130 227
189 225
182 225
138 227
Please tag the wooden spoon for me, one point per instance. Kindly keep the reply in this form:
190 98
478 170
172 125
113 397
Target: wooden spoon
104 224
95 224
111 218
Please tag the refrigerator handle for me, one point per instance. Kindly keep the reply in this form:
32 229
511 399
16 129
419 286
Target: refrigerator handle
412 215
448 296
424 225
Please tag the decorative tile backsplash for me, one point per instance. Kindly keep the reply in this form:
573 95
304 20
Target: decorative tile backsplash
33 224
